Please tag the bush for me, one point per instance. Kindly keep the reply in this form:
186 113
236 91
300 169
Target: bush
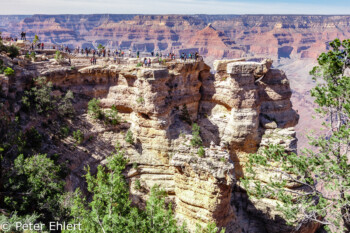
196 139
94 109
78 136
32 56
137 184
65 107
64 131
111 116
110 205
185 116
2 67
13 51
40 96
33 138
36 39
140 100
129 137
9 71
34 185
139 64
201 152
58 56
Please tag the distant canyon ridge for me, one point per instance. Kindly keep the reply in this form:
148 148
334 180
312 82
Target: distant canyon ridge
216 36
292 41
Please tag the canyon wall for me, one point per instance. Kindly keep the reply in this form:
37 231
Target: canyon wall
242 107
230 36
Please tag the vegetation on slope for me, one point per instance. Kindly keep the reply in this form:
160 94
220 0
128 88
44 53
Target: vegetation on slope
327 165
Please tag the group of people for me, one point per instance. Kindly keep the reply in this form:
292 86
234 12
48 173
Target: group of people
38 45
147 62
23 36
93 60
185 56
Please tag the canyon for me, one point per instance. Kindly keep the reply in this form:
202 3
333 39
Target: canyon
293 42
240 108
239 96
276 36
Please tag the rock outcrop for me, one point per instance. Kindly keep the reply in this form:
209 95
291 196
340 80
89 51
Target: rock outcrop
243 106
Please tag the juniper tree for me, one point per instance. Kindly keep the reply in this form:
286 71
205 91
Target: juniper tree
326 165
110 208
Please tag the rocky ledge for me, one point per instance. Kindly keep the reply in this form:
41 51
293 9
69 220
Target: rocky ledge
240 107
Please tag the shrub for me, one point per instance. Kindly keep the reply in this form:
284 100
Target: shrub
94 109
137 184
9 71
139 64
3 48
134 165
34 184
64 131
223 159
58 56
78 136
2 67
129 137
65 107
140 100
111 116
33 138
40 96
196 139
32 56
13 51
185 116
36 39
201 152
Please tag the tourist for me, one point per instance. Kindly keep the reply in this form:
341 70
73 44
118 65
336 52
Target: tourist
196 56
138 54
145 62
149 62
129 52
152 54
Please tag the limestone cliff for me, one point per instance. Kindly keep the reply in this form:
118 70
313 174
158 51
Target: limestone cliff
276 36
240 107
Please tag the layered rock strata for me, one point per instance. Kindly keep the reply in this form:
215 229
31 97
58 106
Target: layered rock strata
238 108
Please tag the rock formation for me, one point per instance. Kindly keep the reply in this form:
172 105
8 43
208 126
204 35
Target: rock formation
276 36
240 108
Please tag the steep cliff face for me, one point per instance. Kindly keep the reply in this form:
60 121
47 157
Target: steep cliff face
276 36
242 107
